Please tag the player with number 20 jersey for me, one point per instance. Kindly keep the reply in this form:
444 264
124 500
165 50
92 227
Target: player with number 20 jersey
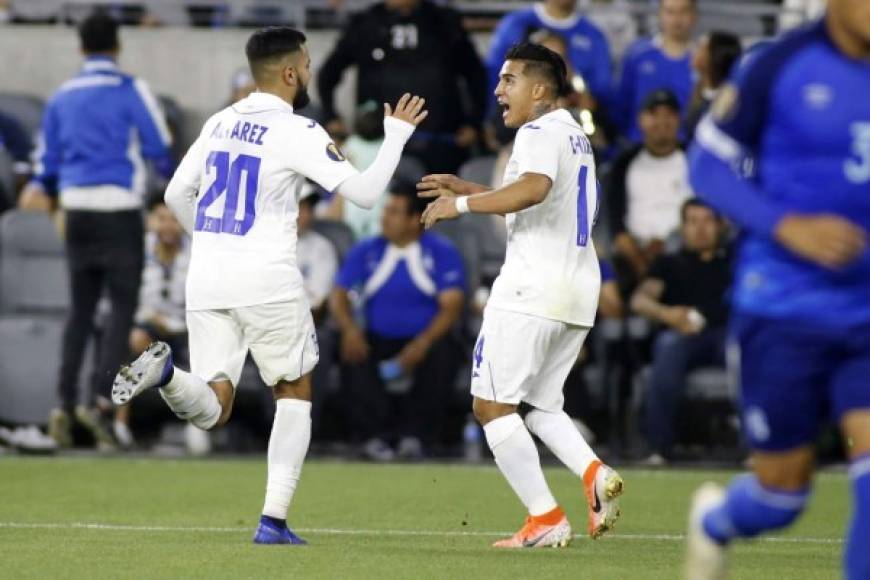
237 192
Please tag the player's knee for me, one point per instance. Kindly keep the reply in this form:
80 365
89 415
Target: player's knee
486 411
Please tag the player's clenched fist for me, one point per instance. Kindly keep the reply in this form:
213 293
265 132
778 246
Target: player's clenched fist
443 208
408 109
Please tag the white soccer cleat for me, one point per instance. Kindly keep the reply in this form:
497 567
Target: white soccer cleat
143 373
603 488
705 559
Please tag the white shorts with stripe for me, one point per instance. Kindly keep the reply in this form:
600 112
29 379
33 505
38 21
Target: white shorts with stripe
524 358
280 336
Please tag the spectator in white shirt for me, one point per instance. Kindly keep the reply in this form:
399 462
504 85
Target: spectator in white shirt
316 256
161 313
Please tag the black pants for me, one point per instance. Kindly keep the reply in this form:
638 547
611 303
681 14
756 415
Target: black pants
105 254
373 412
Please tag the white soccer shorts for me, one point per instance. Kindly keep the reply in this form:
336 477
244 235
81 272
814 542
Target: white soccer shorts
280 336
524 358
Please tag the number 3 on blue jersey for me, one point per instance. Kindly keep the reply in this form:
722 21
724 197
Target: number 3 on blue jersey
584 225
228 178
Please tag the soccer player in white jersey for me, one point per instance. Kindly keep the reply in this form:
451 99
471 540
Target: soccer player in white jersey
544 300
237 192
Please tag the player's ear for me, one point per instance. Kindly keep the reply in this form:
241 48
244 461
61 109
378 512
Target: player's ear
539 91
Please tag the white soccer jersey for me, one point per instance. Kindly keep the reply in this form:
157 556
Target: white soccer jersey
249 164
551 269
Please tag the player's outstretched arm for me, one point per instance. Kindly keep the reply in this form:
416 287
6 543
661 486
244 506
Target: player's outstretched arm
365 188
529 190
447 185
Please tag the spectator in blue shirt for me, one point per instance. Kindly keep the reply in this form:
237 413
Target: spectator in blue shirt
661 62
587 47
411 286
97 130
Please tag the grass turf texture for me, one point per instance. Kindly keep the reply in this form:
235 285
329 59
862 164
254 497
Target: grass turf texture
363 512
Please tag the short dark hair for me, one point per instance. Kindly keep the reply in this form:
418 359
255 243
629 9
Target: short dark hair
407 189
99 33
542 61
271 43
696 202
723 49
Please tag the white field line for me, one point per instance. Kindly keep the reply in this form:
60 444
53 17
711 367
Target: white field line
362 532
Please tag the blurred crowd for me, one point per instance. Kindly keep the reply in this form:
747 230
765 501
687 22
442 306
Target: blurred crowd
396 307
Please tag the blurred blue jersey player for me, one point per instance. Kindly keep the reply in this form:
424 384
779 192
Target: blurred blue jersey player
800 109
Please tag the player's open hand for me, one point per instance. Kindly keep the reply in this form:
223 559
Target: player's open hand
443 208
826 239
446 185
408 109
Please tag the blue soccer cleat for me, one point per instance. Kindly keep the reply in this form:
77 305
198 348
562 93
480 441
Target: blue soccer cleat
270 533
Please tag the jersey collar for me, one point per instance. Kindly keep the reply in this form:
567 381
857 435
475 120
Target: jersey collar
563 23
558 114
266 101
99 63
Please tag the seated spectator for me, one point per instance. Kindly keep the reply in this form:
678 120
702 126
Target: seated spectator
241 86
713 59
686 293
661 62
161 314
15 141
318 263
361 148
588 51
610 300
647 185
412 289
316 256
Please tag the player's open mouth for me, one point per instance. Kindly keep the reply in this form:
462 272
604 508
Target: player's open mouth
504 109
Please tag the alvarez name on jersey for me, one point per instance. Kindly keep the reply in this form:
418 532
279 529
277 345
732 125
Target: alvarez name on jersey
249 164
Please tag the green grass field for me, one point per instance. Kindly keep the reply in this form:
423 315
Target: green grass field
149 518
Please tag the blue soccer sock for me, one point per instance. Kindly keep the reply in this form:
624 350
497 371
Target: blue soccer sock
857 558
750 508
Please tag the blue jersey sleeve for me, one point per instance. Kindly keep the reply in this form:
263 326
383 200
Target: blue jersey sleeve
733 131
152 128
449 269
48 155
601 76
352 272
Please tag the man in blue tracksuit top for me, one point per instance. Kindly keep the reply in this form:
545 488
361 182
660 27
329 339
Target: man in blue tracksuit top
800 109
97 130
661 62
587 47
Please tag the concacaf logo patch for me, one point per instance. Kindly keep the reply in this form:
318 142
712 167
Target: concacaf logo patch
334 153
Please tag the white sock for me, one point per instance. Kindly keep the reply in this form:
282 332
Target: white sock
517 458
558 432
191 399
288 444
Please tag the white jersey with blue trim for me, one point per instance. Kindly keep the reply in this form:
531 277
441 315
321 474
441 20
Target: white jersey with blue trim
551 268
248 165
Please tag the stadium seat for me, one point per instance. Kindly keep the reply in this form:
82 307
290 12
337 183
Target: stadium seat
338 233
410 168
27 109
7 181
463 236
28 367
478 170
33 274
